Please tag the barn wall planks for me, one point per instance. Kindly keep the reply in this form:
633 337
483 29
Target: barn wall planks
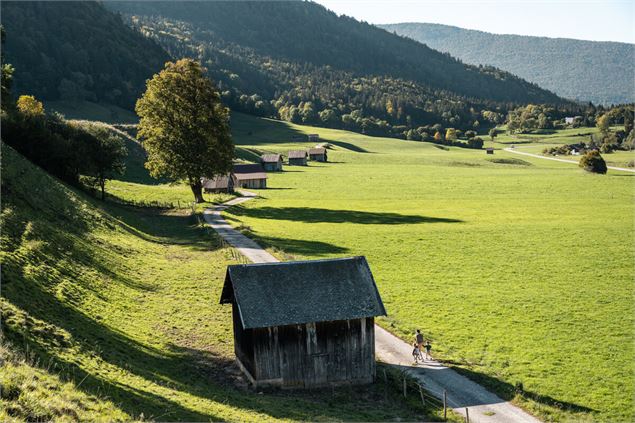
309 355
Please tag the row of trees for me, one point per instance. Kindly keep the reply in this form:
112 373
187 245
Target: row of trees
72 152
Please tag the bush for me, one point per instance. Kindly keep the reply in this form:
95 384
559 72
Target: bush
592 161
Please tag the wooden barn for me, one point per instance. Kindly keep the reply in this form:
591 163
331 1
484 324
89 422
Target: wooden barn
250 176
318 154
313 137
304 324
297 158
489 150
221 183
271 162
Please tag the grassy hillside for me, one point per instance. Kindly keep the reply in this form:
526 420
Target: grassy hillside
112 314
520 270
576 69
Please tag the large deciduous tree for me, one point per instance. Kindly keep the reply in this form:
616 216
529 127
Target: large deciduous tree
184 126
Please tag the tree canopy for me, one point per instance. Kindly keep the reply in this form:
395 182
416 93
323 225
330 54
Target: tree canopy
184 127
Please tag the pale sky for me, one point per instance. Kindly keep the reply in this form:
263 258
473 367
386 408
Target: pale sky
608 20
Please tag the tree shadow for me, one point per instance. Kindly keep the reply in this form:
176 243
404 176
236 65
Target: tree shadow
349 146
300 246
508 391
317 215
164 226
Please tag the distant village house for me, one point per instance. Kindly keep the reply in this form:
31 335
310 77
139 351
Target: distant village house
271 162
318 154
250 176
304 324
297 158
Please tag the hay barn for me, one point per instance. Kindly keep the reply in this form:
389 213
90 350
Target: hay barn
250 176
318 154
297 158
221 183
271 162
304 324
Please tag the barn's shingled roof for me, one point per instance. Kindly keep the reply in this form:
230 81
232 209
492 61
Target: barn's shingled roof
317 150
287 293
297 154
249 171
270 158
217 182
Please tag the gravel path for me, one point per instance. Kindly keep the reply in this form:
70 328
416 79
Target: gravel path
515 151
462 393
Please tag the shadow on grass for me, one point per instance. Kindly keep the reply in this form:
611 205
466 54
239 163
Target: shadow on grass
508 391
349 146
317 215
164 227
299 246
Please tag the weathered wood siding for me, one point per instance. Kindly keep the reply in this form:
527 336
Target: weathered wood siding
297 162
318 157
243 347
254 183
273 167
311 355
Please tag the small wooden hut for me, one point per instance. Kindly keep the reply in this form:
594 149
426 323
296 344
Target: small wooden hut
489 150
313 137
297 158
221 183
304 324
271 162
250 176
318 154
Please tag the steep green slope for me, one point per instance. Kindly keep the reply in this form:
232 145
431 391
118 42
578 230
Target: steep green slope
601 72
123 304
77 51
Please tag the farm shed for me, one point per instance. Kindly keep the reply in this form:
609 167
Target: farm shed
297 158
271 162
221 183
318 154
304 324
251 176
314 137
489 150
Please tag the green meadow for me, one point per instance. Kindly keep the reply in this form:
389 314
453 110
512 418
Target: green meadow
111 313
519 270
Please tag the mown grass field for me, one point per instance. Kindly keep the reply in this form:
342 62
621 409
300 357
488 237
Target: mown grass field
519 270
111 314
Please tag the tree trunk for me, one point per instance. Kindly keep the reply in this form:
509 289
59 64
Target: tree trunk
102 183
197 190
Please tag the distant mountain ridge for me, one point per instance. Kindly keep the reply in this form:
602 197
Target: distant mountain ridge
597 71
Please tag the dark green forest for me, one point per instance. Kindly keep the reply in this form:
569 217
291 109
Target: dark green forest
601 72
295 61
77 51
299 62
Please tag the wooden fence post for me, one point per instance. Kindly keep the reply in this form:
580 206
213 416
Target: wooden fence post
467 415
445 404
405 392
423 401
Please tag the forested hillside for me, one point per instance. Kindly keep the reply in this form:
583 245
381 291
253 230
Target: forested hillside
300 62
77 51
601 72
